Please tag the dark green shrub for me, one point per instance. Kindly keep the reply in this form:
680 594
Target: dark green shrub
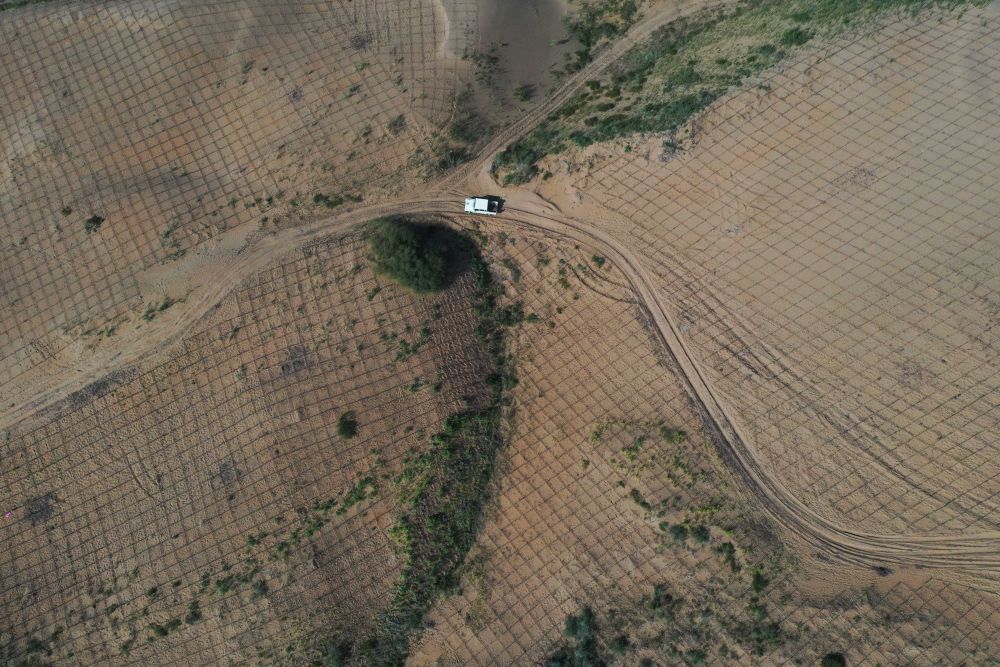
728 552
700 534
679 532
511 315
93 223
833 660
582 628
639 500
225 585
408 254
328 201
347 425
760 582
663 603
36 645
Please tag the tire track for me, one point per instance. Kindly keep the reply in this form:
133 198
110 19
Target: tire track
977 552
974 554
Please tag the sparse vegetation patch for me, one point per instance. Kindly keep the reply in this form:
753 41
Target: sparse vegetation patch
660 84
443 487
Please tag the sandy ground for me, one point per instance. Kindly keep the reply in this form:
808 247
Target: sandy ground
185 472
530 38
808 291
833 278
176 123
565 532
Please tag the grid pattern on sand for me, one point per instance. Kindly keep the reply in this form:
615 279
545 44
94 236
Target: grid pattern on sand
564 532
175 121
209 468
829 244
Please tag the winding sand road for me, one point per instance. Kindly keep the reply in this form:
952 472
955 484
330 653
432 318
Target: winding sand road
973 558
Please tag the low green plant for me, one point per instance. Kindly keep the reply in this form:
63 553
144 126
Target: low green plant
795 37
193 613
524 92
701 534
397 124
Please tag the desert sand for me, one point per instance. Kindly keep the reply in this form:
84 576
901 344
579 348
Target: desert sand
755 417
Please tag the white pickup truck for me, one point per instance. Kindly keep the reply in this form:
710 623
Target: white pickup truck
483 205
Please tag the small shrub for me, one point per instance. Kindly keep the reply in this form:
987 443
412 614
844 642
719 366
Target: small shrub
328 201
663 603
679 532
225 585
598 260
194 613
700 534
397 124
347 425
524 92
639 500
66 210
93 223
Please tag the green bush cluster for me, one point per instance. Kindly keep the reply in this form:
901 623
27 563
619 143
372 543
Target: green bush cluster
581 650
409 254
